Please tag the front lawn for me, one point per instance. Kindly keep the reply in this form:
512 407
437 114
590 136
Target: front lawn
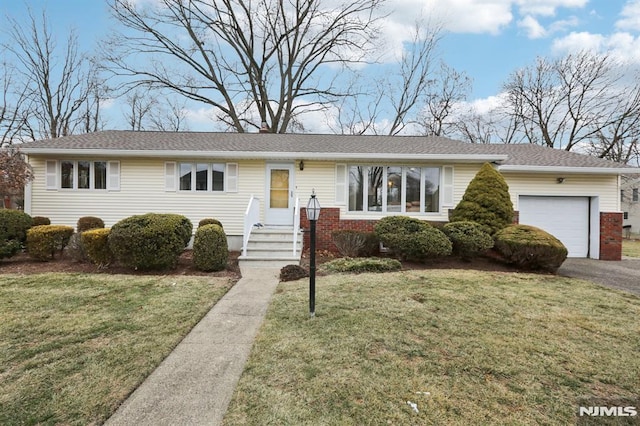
631 248
74 346
440 347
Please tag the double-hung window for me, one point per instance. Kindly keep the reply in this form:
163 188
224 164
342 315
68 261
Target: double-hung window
394 189
201 177
83 174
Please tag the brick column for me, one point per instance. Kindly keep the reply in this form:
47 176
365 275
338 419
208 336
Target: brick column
611 236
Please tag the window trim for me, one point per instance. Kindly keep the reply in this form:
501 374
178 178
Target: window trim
53 175
442 205
173 176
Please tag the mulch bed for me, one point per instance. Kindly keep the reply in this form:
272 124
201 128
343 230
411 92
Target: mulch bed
23 264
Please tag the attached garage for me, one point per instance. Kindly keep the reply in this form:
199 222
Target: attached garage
567 218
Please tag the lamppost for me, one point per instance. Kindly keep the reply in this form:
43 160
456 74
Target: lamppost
313 213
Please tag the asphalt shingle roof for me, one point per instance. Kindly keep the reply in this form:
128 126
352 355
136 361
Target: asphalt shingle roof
338 145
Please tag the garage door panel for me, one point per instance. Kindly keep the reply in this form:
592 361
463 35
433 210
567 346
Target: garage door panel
567 218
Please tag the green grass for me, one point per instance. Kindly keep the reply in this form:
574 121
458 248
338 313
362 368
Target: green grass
631 248
467 347
74 346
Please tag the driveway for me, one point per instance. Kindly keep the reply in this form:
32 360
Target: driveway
622 275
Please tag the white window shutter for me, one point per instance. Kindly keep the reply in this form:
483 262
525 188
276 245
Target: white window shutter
170 176
51 174
447 186
113 176
341 184
231 178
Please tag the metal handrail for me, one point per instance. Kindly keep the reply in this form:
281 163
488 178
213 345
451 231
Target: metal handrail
296 225
251 217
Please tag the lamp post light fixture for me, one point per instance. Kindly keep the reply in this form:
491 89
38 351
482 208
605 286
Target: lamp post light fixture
313 213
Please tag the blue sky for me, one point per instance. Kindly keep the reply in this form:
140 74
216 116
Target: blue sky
487 39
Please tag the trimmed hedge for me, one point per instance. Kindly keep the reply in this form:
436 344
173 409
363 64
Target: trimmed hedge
150 241
44 240
486 201
468 238
531 248
210 249
210 221
14 225
412 239
41 220
86 223
96 246
352 243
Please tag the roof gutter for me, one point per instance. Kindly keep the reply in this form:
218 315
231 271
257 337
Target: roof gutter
569 170
246 155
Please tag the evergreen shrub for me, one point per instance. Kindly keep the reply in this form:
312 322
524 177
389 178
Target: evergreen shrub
210 249
152 241
96 246
468 238
44 241
530 248
485 201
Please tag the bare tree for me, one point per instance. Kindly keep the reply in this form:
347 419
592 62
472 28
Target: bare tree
448 89
253 62
12 116
56 91
140 103
566 102
169 116
15 172
418 93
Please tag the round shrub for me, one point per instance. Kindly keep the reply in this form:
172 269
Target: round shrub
150 241
360 265
13 231
41 220
412 239
529 247
96 246
486 201
468 238
44 240
210 250
210 221
86 223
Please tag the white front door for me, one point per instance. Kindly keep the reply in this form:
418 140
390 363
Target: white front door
279 198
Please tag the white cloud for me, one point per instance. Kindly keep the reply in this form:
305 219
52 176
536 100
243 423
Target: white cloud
547 7
622 46
532 27
472 16
577 41
630 16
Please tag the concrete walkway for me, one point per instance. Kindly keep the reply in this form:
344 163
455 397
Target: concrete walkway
195 383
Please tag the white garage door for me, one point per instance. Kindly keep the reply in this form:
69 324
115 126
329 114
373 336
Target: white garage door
567 218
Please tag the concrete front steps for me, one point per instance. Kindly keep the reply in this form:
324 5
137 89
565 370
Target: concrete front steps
271 247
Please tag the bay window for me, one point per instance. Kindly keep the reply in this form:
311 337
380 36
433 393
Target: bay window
394 189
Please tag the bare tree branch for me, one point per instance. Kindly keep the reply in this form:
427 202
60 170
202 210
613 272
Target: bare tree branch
252 62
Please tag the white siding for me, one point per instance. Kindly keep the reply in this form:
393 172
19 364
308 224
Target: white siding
142 190
602 187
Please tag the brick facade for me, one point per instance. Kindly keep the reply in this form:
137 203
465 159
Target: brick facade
611 236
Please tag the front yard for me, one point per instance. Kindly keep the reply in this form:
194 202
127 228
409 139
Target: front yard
73 346
441 347
631 248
